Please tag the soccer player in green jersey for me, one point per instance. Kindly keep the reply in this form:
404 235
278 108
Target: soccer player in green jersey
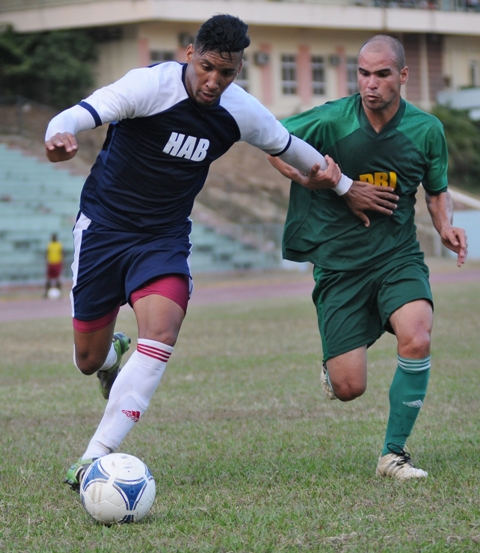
371 276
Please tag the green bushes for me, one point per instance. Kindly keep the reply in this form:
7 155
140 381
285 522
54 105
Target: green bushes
52 68
463 137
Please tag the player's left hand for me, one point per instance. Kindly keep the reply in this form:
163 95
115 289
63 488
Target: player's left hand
363 196
455 239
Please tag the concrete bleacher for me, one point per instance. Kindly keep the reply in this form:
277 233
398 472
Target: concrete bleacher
226 249
38 198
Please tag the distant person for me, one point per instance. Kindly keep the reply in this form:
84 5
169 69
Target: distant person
373 278
54 257
169 122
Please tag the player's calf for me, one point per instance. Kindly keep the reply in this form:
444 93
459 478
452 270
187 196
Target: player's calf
106 377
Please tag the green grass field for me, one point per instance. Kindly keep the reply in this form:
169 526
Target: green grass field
247 454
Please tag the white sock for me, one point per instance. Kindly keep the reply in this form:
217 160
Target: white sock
130 396
109 361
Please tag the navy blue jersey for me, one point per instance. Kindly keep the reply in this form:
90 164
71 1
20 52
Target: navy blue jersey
160 145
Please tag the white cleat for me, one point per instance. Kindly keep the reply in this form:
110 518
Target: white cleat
399 465
326 386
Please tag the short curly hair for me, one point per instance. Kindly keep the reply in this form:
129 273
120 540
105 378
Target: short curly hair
222 33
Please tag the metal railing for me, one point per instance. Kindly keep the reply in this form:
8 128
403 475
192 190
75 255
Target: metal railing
444 5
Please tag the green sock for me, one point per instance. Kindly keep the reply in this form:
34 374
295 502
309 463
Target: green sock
407 393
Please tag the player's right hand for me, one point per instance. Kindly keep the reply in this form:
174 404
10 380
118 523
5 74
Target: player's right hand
61 147
363 196
455 239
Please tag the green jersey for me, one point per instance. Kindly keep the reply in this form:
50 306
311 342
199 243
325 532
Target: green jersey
410 150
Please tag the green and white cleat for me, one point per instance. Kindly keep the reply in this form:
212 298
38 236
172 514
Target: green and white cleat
398 464
75 473
106 378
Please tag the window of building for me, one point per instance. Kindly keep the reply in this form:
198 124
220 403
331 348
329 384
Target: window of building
160 56
352 68
289 74
242 77
318 75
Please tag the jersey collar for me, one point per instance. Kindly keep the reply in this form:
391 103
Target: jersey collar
388 128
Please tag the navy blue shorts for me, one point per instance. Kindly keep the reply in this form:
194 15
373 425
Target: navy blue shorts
109 264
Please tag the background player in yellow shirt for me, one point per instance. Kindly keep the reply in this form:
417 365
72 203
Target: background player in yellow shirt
54 256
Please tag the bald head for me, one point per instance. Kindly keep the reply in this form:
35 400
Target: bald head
382 43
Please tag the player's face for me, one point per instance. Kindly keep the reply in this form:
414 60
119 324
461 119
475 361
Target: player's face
379 79
208 74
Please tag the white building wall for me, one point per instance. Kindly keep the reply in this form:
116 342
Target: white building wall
116 57
327 28
460 51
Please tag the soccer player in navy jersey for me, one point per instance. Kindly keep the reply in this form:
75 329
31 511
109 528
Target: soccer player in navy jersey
168 123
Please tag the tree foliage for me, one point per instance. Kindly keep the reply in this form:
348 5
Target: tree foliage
53 68
463 137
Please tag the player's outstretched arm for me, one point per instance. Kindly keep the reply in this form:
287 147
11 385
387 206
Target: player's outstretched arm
61 147
363 196
315 178
360 197
60 141
440 208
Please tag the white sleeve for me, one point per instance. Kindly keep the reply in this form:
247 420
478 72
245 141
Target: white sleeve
259 127
72 120
129 97
139 93
302 156
110 103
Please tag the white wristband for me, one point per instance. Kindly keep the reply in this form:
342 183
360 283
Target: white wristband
343 185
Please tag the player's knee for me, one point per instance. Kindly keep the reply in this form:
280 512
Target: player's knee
417 346
167 336
87 363
349 390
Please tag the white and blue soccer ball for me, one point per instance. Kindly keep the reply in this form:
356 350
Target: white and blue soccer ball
117 488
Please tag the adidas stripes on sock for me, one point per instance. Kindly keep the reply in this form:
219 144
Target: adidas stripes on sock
130 396
407 392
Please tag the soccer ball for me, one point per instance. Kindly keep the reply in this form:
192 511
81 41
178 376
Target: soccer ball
117 488
54 294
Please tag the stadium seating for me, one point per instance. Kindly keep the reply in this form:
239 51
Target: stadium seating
38 198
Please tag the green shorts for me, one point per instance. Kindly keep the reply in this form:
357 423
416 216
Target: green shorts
354 307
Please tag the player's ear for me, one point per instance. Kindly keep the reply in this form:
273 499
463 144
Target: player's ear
189 53
404 75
